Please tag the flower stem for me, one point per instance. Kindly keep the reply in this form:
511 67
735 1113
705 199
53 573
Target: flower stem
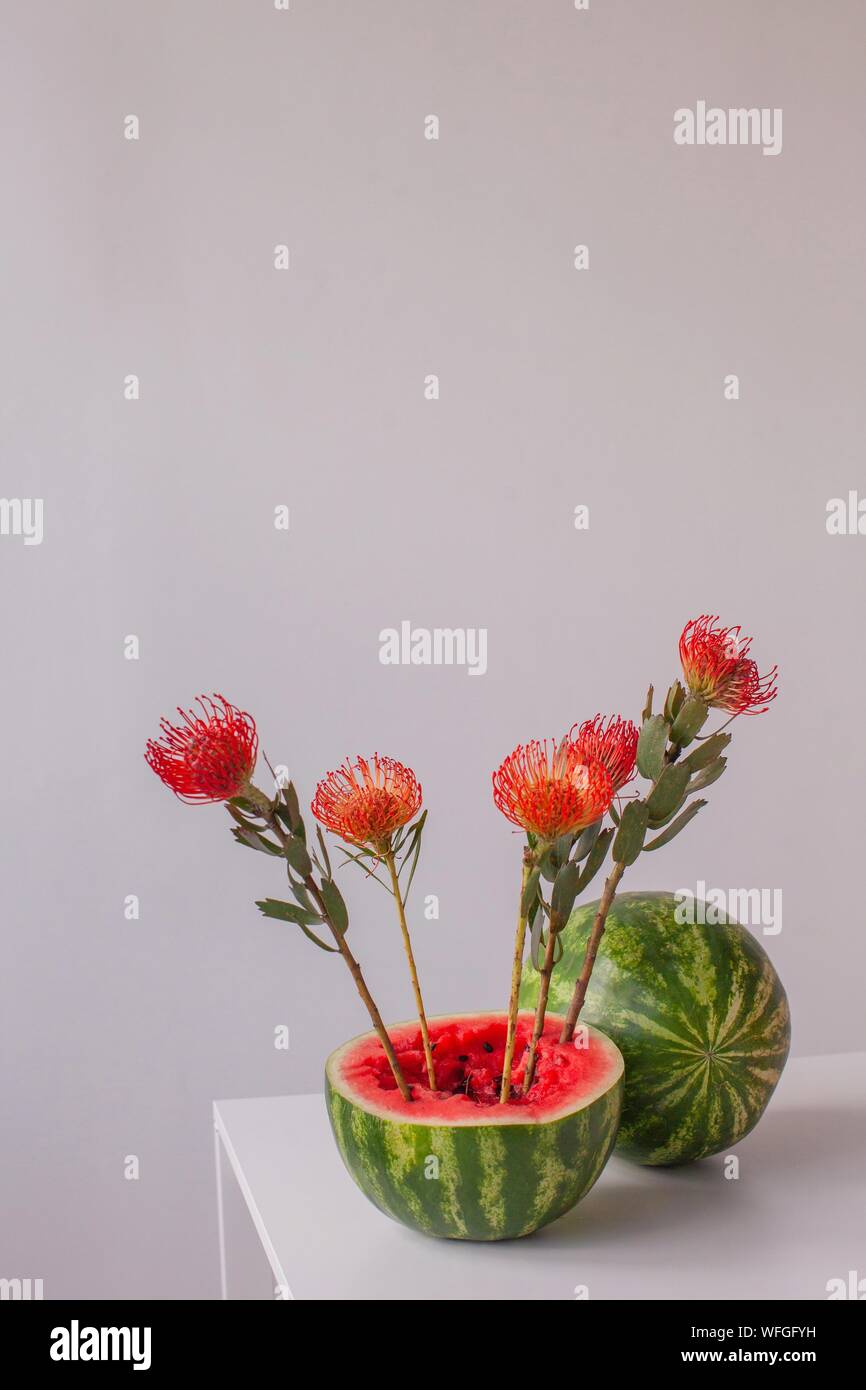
516 975
554 926
388 856
580 987
342 945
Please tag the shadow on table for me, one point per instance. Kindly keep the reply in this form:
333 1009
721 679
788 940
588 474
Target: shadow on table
631 1200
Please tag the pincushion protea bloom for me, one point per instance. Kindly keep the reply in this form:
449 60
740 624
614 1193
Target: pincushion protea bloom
717 667
613 742
552 791
210 755
365 802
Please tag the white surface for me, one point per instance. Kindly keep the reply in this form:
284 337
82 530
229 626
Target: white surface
793 1219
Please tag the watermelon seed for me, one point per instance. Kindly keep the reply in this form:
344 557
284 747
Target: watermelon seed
463 1057
488 1047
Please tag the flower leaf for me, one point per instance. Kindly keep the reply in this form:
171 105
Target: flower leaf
586 841
707 752
673 701
689 721
630 836
296 852
254 840
708 775
651 745
530 893
334 905
676 826
286 912
565 891
596 859
668 791
648 707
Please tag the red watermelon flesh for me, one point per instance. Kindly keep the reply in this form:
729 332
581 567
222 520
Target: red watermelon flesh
469 1053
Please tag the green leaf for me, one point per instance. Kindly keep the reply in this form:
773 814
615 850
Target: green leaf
565 891
596 859
286 912
613 813
334 905
651 746
587 840
296 852
324 848
673 701
706 752
630 836
648 707
549 865
255 841
317 940
530 892
689 721
668 790
293 810
675 826
708 775
242 803
536 942
300 895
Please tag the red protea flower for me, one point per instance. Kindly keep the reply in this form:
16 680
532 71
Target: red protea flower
552 792
717 667
366 802
613 742
210 756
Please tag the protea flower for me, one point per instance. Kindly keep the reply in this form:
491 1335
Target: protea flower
613 742
210 755
552 791
365 802
717 667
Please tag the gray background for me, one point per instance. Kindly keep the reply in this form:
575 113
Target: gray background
259 387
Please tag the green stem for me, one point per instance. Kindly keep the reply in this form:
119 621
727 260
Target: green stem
270 816
554 926
516 975
388 856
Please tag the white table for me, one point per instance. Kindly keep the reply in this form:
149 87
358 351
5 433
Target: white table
793 1219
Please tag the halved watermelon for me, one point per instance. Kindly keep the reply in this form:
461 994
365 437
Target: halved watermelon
454 1162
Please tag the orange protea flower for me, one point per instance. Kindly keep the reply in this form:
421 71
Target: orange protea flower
210 755
717 667
366 802
552 792
613 742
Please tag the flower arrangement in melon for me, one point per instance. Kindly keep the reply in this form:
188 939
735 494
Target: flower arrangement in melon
487 1126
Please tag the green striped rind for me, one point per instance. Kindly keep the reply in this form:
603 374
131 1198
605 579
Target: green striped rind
474 1182
699 1014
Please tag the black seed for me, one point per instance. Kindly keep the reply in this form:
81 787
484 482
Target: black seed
488 1047
463 1057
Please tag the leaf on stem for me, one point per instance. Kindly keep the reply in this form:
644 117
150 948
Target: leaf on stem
690 720
668 791
708 775
530 893
596 859
630 836
707 752
334 905
651 745
254 840
587 840
675 826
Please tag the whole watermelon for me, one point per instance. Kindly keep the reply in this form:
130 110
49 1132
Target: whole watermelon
699 1014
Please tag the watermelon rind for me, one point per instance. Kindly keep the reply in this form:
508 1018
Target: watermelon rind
699 1014
494 1177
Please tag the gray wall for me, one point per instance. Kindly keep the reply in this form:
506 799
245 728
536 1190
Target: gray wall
305 387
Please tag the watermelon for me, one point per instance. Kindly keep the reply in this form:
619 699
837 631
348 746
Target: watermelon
697 1011
454 1162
